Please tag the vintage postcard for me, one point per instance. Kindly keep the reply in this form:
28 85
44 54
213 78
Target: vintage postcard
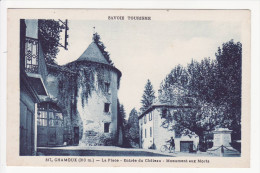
128 88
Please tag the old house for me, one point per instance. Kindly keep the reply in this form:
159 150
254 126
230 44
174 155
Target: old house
65 105
32 85
156 129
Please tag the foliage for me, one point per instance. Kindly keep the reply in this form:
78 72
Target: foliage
67 88
102 47
106 140
66 96
132 127
210 88
229 60
86 77
122 114
123 123
148 96
87 83
195 119
49 36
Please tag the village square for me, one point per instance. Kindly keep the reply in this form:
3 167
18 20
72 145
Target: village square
75 109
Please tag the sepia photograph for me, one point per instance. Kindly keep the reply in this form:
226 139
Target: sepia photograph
132 85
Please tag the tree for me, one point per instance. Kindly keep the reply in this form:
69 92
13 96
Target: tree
133 127
102 47
229 60
174 85
198 118
212 91
122 114
148 96
123 123
49 35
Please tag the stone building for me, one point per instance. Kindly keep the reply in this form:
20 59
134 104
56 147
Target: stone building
98 83
155 130
65 105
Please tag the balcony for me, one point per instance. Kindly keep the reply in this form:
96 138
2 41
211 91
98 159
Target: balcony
31 55
35 66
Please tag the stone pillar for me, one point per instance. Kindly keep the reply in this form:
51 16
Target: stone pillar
221 143
222 136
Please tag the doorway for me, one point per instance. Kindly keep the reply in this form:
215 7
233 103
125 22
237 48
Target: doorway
185 145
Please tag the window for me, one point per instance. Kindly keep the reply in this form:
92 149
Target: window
107 85
106 127
145 119
145 133
42 118
106 107
49 115
151 133
31 55
55 119
150 116
164 113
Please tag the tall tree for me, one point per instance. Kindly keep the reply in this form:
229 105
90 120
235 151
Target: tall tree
212 91
148 96
229 59
49 35
122 114
174 85
122 122
133 127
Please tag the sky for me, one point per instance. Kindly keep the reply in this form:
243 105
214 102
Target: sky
144 50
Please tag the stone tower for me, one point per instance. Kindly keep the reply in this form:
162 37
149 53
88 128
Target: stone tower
97 87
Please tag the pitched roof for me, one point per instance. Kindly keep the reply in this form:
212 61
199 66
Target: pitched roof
93 53
159 104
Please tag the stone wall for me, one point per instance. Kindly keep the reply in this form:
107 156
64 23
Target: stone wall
88 116
93 115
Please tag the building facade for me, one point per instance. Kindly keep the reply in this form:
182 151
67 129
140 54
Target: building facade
32 85
155 130
98 84
65 105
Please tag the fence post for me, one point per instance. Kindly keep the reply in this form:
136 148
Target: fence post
222 151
